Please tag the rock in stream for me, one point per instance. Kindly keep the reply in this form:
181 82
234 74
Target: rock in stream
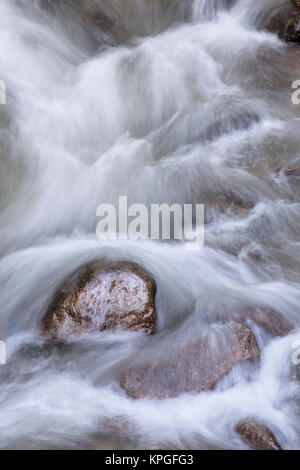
197 366
257 436
100 296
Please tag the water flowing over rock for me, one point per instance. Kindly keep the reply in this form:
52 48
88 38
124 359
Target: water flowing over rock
230 123
196 367
123 18
257 436
102 296
273 322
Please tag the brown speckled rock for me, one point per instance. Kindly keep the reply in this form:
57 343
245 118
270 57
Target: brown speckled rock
102 296
273 322
257 436
195 367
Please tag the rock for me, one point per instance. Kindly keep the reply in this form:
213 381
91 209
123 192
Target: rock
116 434
296 3
271 321
230 123
92 14
123 19
290 172
102 296
221 205
257 436
107 444
195 367
285 21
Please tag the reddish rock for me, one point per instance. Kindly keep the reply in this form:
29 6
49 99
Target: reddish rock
289 172
257 436
102 296
197 366
271 321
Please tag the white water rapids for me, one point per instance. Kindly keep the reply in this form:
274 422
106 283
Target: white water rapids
129 106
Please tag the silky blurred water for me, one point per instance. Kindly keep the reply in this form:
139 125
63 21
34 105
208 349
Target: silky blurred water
142 98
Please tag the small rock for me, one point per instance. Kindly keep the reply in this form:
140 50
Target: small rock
102 296
195 367
290 172
257 436
115 434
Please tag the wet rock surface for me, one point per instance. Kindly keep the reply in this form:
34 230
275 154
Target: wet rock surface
226 207
296 3
273 322
285 21
289 172
103 296
228 124
195 367
122 18
257 436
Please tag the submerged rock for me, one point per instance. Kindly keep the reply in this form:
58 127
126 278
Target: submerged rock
195 367
230 123
102 296
124 19
223 206
257 436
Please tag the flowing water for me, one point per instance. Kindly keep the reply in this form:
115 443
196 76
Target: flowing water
143 98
